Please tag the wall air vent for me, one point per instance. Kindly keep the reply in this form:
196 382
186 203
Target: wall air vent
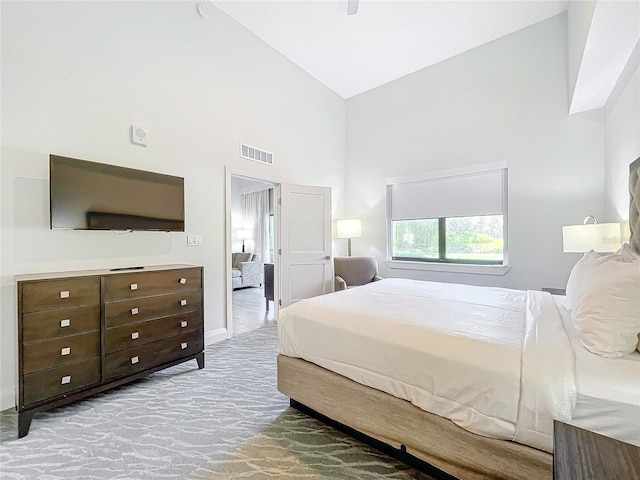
255 154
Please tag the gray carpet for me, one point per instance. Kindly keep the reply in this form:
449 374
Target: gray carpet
226 421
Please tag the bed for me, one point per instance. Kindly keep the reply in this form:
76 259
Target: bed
524 364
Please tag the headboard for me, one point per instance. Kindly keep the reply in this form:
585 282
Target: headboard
634 204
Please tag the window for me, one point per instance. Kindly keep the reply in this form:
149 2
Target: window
272 237
272 227
453 217
477 239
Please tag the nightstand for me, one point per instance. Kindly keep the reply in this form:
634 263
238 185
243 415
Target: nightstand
554 291
579 454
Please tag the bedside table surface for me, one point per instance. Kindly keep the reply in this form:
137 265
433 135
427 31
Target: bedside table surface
583 455
554 291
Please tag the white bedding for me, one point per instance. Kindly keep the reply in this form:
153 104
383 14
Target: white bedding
608 389
495 361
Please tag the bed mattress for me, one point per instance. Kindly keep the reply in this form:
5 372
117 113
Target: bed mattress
495 361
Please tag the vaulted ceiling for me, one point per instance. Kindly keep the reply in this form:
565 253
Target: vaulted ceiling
388 39
385 40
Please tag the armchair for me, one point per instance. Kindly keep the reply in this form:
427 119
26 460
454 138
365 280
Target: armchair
247 270
355 271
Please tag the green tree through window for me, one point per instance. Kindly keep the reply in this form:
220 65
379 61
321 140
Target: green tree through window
476 239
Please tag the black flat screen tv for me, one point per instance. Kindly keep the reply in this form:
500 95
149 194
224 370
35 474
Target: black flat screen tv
95 196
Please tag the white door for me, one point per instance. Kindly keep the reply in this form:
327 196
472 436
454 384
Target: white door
305 260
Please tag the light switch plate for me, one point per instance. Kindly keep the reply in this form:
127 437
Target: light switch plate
194 240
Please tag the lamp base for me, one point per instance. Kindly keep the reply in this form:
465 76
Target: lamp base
349 246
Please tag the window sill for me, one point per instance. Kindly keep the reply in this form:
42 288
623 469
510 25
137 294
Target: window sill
450 267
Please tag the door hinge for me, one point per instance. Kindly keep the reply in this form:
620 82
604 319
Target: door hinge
280 301
280 201
279 251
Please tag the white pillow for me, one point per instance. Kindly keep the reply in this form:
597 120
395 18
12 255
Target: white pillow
579 273
606 307
628 252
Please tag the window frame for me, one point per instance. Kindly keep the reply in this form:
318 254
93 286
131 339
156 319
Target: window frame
441 264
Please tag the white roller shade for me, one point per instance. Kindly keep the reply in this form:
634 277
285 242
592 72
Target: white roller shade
480 193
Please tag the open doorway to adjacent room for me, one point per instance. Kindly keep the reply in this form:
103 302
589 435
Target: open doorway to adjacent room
252 224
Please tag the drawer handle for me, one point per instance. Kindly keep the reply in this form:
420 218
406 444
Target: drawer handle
183 345
134 360
64 294
183 302
134 311
133 286
183 323
65 351
65 323
134 335
183 281
65 380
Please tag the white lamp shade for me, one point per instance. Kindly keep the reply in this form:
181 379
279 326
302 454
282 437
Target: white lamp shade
599 237
243 234
349 228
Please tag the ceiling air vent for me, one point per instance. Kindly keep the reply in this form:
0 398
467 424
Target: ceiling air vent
255 154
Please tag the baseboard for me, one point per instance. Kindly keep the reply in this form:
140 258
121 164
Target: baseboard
215 336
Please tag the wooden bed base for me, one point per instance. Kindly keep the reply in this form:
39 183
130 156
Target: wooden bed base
408 429
400 454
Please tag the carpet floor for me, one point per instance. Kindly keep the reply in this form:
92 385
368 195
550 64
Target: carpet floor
226 421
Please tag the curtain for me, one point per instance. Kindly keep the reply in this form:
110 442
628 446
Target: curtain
256 219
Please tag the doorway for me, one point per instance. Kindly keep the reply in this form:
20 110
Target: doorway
252 225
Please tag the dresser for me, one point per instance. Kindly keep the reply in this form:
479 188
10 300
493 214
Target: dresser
80 333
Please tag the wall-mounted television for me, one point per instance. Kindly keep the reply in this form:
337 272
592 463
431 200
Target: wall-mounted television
95 196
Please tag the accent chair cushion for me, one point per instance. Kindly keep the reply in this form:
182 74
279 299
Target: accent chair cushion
241 257
356 271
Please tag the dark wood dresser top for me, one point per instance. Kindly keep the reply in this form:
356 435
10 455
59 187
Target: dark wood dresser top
579 454
101 272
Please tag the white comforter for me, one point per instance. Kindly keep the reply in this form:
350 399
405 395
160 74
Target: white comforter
496 362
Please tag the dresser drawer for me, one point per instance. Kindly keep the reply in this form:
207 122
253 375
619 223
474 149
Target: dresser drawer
60 293
151 355
42 355
144 284
55 381
140 309
140 333
60 323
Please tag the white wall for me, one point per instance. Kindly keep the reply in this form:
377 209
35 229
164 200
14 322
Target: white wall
622 146
76 75
504 101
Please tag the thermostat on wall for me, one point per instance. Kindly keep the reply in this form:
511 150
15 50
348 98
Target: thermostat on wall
139 135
